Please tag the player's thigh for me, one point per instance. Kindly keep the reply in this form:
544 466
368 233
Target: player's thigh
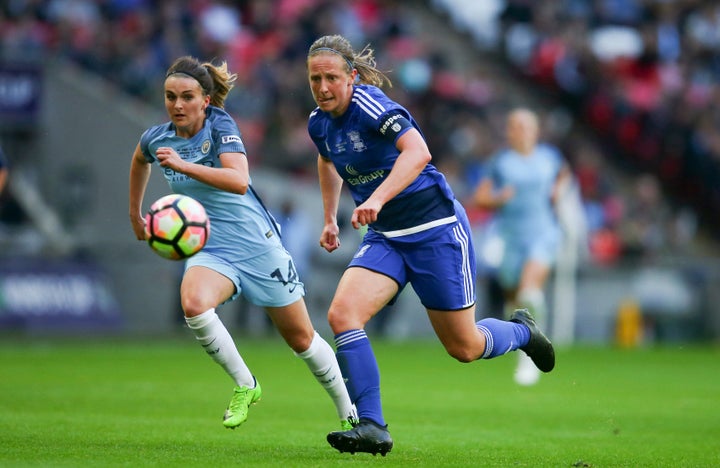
360 294
458 333
541 256
534 274
443 272
203 288
511 266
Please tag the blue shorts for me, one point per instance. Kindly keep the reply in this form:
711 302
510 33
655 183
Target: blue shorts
542 247
266 280
439 263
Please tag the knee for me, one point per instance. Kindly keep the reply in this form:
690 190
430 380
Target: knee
463 354
300 342
342 318
193 306
336 319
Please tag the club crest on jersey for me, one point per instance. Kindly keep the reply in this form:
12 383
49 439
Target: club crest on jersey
357 142
205 148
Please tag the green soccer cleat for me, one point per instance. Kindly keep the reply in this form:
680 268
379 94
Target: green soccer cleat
539 348
237 411
348 423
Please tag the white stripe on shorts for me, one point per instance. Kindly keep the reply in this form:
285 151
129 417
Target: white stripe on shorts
468 285
420 227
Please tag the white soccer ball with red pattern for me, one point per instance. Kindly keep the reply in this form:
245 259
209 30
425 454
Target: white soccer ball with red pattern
177 227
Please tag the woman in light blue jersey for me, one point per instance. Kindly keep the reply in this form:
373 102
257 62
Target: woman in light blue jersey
521 186
201 154
418 233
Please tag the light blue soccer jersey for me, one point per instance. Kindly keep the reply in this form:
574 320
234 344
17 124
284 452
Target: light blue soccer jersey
240 226
532 177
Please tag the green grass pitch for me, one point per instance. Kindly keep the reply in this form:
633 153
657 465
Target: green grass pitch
117 402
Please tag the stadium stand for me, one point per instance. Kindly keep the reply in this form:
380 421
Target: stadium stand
634 122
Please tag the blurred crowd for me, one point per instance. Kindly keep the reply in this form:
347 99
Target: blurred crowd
652 105
643 74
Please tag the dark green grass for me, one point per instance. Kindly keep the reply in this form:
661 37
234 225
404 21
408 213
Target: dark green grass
147 403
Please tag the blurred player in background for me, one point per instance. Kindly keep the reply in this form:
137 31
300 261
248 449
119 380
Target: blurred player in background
521 185
202 155
417 233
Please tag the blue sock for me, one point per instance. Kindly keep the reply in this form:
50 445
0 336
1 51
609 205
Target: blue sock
361 373
501 337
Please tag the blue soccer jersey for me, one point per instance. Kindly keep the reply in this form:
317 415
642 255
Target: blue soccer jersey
361 146
240 226
421 236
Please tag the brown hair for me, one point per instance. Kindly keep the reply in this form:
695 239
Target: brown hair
363 62
215 80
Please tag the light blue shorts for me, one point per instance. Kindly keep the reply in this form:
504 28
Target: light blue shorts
266 280
542 247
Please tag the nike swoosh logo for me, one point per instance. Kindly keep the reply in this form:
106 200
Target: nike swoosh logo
208 344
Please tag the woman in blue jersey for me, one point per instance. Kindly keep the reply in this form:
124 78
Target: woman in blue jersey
521 186
202 155
417 233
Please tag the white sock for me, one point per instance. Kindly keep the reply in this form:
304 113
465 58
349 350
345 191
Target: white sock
526 372
320 359
219 345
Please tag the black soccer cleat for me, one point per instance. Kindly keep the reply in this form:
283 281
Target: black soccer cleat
367 436
539 348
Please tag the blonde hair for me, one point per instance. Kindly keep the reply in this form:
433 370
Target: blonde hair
216 81
363 62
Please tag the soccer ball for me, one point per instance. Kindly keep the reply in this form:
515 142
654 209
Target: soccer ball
177 227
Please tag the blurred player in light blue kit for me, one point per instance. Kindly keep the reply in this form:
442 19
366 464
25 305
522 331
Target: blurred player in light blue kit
201 154
521 185
418 233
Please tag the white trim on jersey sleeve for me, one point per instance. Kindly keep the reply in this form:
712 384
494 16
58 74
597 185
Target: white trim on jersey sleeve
367 103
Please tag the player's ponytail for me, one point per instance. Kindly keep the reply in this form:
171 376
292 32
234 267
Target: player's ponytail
222 82
215 80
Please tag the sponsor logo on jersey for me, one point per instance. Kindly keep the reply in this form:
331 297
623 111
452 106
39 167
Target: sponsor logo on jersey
365 178
389 124
231 139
